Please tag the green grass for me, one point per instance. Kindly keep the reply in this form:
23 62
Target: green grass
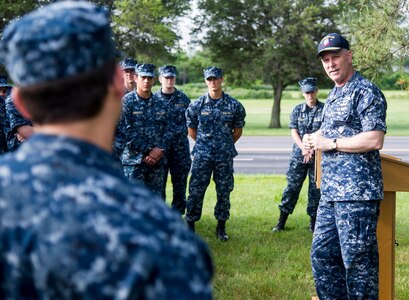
259 103
259 113
257 264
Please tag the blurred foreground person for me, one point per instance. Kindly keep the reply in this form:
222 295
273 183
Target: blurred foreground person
71 225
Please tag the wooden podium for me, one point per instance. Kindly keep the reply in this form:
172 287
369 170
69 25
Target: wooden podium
395 179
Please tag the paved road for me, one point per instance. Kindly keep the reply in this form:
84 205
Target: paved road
270 154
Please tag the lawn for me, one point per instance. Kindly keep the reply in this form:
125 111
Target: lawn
258 264
259 113
259 110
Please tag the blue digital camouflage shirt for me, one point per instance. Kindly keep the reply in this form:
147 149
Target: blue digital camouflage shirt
3 125
73 227
144 125
214 122
14 121
359 107
306 120
178 103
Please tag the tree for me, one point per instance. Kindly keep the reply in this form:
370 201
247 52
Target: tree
379 34
146 29
271 37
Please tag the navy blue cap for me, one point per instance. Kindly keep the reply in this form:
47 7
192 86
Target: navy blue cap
59 40
167 71
308 85
3 82
332 42
128 63
145 70
213 72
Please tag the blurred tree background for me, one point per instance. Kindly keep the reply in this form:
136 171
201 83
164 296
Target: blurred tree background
257 41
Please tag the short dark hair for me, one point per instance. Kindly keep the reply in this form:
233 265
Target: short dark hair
69 99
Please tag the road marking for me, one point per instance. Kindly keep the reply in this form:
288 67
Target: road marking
290 149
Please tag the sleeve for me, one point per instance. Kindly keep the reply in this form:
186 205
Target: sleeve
294 119
192 120
14 117
372 110
239 117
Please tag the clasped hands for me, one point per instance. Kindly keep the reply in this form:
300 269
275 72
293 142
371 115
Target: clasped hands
154 156
315 141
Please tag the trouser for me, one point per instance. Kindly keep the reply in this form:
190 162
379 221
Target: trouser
179 162
222 176
151 176
344 252
296 174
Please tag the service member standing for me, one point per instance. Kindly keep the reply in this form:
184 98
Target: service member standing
215 121
344 252
304 119
144 132
128 66
178 156
71 225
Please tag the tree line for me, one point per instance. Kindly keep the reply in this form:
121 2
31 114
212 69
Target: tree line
269 41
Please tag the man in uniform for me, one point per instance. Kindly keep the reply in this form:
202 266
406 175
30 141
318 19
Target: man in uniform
144 133
71 225
304 119
215 121
178 157
5 89
128 66
344 252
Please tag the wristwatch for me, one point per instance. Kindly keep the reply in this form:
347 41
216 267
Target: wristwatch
334 144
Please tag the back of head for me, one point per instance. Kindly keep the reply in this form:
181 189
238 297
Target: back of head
57 52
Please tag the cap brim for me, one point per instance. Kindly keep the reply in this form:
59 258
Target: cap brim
168 75
145 74
212 75
334 49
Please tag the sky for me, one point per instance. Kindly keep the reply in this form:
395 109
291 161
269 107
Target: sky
185 25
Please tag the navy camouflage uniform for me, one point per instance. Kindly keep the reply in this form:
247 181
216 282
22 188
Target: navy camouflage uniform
72 227
144 125
213 152
178 156
14 121
3 115
306 120
344 254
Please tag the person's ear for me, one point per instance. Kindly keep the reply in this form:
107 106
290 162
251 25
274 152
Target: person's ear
19 103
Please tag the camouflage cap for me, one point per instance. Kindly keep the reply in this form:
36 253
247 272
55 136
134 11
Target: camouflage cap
3 82
59 40
213 72
332 42
145 70
308 84
128 63
167 71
